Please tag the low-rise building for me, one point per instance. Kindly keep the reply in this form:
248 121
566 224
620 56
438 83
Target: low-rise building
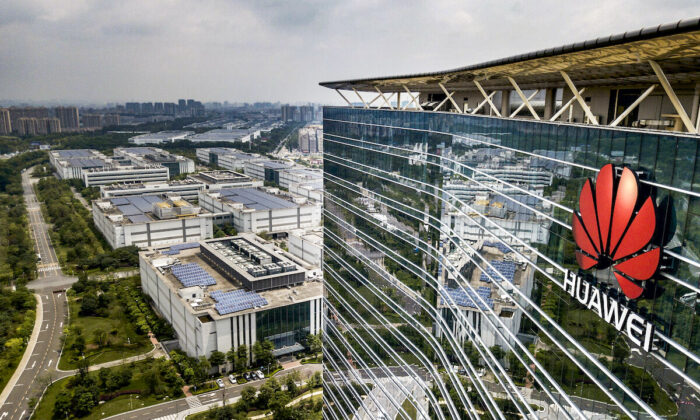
124 173
152 155
261 209
222 293
307 245
187 188
267 170
70 164
232 135
216 180
150 220
227 158
160 137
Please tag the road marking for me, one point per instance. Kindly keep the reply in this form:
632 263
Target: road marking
50 361
61 325
33 364
22 415
3 415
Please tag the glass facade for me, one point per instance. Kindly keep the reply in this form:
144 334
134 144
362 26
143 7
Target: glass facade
285 325
447 237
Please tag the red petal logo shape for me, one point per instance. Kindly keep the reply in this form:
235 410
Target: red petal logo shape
604 198
631 289
610 229
625 200
641 267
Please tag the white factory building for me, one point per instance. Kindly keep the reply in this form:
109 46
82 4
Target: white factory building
188 188
150 220
232 135
70 164
227 158
151 155
160 137
222 293
124 173
307 245
261 209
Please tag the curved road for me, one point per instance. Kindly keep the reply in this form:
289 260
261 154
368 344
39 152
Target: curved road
40 367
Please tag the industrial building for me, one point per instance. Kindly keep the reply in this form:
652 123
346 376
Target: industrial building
70 164
153 156
267 170
150 220
187 188
160 137
260 209
121 173
306 244
227 158
222 293
478 179
232 135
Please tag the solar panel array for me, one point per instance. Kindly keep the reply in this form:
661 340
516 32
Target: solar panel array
175 249
135 207
192 275
507 268
500 245
76 153
255 199
236 301
467 297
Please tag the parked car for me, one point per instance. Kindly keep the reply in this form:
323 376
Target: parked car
220 382
232 379
246 376
260 375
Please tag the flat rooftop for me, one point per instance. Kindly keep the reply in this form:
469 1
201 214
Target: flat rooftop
139 208
77 153
140 185
159 258
220 177
254 198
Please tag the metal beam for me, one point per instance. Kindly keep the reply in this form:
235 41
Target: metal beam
672 96
631 108
449 96
358 95
346 99
385 100
580 100
566 105
482 103
488 99
414 100
525 100
522 105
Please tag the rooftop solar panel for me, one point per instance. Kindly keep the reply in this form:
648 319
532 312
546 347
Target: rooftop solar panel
139 218
129 210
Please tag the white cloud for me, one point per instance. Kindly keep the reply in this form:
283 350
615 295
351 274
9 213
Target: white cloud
269 50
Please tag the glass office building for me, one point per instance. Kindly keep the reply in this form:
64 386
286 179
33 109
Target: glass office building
448 239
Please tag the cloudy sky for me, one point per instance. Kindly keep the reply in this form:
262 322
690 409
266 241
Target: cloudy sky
253 50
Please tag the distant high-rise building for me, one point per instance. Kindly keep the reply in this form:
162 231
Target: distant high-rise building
27 126
133 108
306 113
181 105
5 121
147 108
92 121
190 103
51 125
158 107
111 120
169 108
17 113
69 117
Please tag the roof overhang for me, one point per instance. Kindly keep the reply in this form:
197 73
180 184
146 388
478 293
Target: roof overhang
621 59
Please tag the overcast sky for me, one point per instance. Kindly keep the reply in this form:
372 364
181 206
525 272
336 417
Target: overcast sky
263 50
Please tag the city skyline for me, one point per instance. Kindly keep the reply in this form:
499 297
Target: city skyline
96 53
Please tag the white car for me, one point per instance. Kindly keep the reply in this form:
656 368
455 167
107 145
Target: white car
232 379
220 382
260 375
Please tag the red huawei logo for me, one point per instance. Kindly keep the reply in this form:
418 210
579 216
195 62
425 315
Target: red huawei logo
613 226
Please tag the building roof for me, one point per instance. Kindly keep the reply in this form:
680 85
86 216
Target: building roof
621 58
255 199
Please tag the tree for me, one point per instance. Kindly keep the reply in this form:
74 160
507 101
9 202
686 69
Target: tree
79 344
291 385
267 391
62 405
248 396
498 352
241 358
315 380
315 343
217 359
152 379
231 358
262 350
100 337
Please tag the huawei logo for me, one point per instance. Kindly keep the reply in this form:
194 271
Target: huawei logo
613 227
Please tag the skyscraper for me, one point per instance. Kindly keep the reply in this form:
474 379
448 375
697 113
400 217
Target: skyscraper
5 121
489 256
69 117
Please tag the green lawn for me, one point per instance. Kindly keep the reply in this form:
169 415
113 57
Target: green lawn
411 411
115 406
124 340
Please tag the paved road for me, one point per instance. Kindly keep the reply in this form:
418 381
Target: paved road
49 285
171 409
